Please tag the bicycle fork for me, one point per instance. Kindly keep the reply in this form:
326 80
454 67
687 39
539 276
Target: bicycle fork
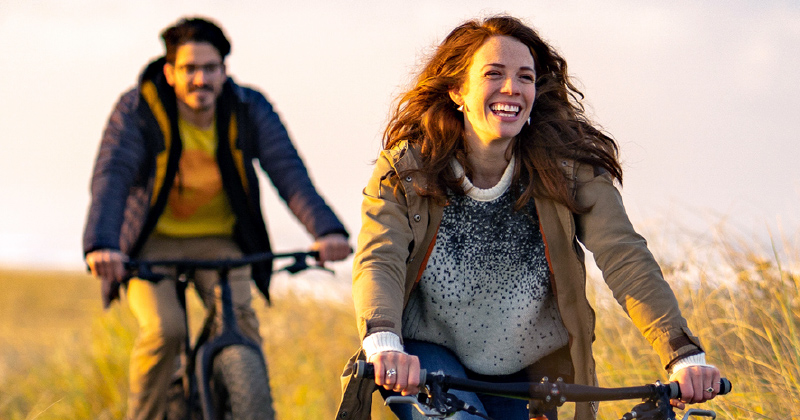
229 335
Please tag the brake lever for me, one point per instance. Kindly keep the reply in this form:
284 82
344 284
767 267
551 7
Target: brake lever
301 264
423 409
298 267
699 413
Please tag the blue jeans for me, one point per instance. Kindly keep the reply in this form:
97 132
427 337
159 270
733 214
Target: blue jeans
433 357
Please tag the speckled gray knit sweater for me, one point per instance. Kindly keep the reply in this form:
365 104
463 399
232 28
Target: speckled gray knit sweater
485 293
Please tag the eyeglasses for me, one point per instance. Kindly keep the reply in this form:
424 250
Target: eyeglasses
192 69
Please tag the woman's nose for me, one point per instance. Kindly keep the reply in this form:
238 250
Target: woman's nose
509 86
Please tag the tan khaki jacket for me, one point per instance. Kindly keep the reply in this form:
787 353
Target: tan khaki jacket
398 230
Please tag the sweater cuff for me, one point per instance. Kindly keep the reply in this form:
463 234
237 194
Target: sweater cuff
380 342
698 359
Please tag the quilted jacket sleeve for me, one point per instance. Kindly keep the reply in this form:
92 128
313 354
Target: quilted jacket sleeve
120 164
279 158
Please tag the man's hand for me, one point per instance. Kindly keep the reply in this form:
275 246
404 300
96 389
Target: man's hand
333 247
107 265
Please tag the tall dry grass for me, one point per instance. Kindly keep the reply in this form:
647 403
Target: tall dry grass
741 299
62 357
59 357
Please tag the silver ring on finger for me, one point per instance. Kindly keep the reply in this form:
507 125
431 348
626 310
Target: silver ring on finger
710 390
390 372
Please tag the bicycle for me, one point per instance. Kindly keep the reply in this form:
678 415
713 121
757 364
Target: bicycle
435 402
224 374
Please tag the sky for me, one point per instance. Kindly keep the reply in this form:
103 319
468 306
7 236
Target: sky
703 98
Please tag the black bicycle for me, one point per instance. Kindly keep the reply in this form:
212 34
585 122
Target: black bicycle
224 373
435 402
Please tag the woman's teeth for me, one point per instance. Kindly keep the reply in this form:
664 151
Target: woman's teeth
505 110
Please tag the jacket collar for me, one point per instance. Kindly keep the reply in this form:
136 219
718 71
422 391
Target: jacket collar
405 157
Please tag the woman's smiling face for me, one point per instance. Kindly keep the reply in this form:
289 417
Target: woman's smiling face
499 90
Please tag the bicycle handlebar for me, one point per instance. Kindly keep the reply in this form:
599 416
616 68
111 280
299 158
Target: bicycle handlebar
141 268
543 390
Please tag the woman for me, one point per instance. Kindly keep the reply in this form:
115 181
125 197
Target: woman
468 257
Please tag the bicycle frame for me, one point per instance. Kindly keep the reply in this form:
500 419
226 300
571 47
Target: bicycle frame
436 402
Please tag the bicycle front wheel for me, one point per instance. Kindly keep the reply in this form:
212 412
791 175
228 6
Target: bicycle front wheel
241 384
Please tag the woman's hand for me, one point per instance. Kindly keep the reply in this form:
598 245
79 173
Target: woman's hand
698 384
396 371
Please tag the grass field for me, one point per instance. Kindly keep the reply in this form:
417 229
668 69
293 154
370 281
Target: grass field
63 357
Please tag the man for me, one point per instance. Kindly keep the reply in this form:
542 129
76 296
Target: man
174 178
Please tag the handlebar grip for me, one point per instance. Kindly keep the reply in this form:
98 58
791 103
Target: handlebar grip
365 370
725 387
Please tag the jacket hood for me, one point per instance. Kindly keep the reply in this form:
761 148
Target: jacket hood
154 72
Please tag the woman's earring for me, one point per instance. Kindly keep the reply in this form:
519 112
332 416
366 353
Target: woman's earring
460 108
529 120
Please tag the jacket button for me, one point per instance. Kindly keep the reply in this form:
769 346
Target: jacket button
417 218
343 415
408 179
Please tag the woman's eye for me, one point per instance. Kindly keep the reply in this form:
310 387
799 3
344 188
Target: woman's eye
528 78
492 73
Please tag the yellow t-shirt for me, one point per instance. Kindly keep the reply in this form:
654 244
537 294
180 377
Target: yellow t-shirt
197 204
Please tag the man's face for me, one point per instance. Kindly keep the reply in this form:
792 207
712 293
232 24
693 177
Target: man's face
197 76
